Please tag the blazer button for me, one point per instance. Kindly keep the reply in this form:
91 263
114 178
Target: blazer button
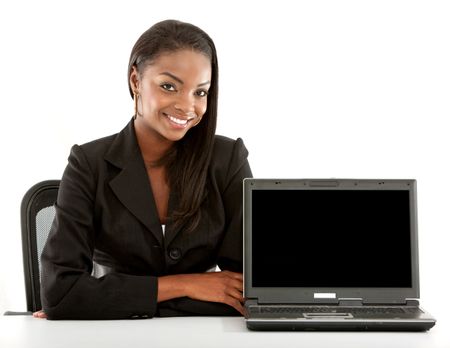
174 253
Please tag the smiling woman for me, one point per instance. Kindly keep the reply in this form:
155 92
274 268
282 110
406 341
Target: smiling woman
160 93
156 205
168 107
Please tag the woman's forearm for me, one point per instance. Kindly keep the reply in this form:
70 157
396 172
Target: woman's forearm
225 287
172 286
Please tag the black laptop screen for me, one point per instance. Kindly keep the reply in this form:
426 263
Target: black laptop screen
331 238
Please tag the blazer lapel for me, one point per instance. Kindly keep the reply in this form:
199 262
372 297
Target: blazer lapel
131 185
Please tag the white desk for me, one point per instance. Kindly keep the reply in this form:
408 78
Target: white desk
211 332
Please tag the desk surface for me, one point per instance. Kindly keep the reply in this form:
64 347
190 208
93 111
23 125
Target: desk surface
215 332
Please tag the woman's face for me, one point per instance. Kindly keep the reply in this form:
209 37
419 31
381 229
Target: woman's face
173 93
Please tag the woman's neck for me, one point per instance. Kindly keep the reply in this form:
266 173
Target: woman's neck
153 146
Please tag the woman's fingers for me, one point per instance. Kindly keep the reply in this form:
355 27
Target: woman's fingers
237 295
237 285
233 293
234 275
225 287
235 280
40 314
235 304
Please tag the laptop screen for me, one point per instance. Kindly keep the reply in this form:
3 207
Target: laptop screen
331 238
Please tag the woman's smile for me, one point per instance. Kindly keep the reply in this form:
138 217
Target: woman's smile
178 122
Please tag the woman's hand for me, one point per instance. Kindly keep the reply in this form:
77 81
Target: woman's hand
225 287
40 314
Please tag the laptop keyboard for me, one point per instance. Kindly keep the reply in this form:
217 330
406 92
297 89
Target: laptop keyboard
365 310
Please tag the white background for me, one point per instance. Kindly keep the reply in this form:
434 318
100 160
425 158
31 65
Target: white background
317 89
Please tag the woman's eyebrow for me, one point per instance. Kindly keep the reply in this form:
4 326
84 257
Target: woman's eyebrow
180 80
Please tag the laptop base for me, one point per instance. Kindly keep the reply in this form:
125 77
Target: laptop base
353 325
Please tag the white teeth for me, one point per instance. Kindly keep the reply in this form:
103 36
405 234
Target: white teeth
177 120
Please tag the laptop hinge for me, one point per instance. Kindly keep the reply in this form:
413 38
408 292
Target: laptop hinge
359 302
350 302
412 302
346 302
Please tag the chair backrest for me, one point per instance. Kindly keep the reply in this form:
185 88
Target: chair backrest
37 213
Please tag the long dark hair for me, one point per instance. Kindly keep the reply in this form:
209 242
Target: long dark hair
187 163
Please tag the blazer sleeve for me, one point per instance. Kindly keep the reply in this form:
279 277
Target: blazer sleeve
230 255
68 290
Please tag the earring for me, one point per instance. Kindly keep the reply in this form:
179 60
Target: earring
135 98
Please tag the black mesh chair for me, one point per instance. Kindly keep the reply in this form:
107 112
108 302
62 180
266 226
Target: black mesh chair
36 213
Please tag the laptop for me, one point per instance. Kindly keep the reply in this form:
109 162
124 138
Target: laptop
336 254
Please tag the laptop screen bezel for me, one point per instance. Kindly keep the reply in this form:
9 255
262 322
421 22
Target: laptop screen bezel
307 294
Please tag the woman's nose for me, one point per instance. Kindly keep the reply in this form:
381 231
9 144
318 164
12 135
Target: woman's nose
185 103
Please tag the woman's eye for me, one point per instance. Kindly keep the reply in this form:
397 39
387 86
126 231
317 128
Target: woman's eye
168 87
202 93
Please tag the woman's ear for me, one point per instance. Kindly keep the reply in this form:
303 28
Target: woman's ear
134 79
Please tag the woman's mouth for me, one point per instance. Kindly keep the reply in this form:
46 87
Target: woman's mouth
179 122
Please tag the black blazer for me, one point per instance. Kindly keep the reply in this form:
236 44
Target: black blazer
105 212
